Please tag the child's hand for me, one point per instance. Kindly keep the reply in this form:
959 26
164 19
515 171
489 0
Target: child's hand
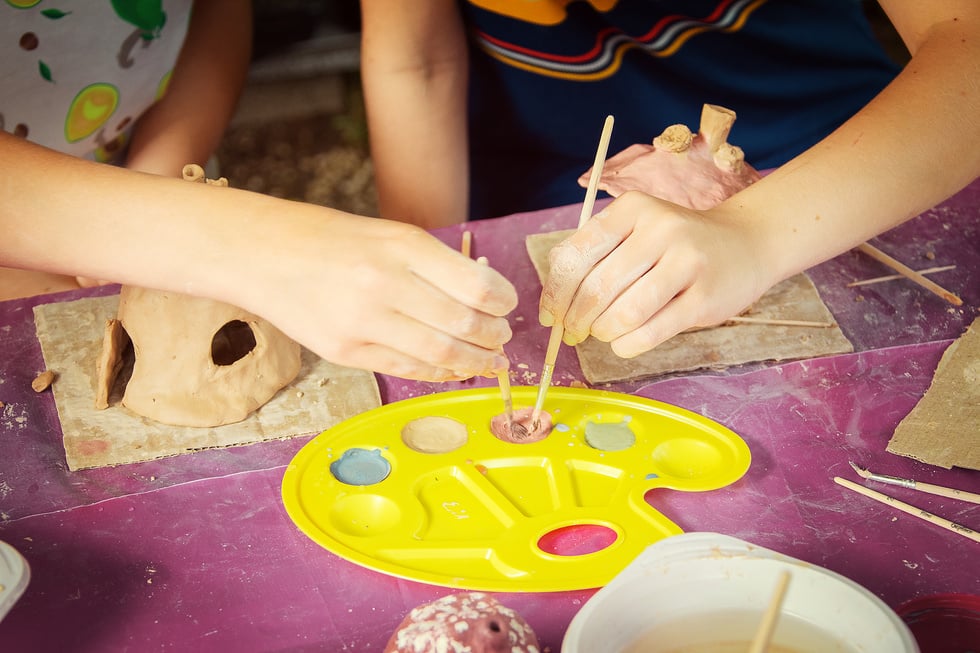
386 296
643 270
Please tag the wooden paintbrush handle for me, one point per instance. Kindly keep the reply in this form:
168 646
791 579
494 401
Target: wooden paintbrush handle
951 526
948 492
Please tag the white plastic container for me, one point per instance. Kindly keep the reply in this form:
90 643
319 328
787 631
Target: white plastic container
14 576
706 593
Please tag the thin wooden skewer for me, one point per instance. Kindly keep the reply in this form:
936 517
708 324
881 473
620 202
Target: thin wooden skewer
775 322
760 643
909 273
892 277
466 244
939 490
503 376
959 529
558 328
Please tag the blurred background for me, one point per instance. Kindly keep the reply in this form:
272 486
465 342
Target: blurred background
300 131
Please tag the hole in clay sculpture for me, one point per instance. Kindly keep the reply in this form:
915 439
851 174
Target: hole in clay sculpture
609 436
361 467
232 343
577 539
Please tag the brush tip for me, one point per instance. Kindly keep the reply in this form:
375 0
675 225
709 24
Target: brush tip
863 473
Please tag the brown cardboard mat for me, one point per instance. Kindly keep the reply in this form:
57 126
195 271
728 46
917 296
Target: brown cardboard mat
70 334
944 427
718 347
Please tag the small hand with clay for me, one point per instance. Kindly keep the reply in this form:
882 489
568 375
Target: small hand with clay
389 297
643 270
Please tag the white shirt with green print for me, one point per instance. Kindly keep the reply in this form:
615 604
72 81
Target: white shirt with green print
75 75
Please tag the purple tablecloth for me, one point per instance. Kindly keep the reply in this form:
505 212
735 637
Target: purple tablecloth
197 553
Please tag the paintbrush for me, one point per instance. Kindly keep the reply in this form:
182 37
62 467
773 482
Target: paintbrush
939 490
951 526
558 329
503 376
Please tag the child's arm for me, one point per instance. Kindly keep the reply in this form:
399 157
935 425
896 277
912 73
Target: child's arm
644 270
186 125
414 70
361 292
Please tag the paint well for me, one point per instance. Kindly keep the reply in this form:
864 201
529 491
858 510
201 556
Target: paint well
609 436
361 467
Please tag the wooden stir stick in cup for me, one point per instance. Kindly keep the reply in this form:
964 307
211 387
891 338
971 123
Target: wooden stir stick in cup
763 634
558 328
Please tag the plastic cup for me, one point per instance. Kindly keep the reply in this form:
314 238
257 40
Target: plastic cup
699 592
14 575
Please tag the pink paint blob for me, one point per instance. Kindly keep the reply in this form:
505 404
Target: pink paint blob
500 428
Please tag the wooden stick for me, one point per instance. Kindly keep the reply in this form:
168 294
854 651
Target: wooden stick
892 277
760 643
909 273
939 490
503 376
550 356
942 522
558 328
764 320
466 244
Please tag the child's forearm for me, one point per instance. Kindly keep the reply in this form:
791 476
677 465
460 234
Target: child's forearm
910 148
414 70
64 215
187 124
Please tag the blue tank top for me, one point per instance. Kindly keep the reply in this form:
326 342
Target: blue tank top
544 75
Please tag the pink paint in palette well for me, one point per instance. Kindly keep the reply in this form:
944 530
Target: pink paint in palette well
523 416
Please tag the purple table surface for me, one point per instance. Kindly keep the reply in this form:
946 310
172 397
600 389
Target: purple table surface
196 552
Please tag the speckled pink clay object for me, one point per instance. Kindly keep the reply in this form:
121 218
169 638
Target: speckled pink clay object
471 621
500 428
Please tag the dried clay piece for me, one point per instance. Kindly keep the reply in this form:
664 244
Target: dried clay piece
694 171
43 381
114 341
675 138
197 362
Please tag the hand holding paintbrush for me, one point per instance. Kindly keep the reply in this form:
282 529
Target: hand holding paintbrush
558 329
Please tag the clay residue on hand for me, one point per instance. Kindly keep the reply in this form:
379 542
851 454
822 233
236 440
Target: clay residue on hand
523 416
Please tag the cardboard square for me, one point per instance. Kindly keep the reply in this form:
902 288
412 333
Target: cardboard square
717 347
944 427
70 333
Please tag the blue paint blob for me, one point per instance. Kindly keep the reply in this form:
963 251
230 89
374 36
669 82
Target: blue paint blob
562 427
651 475
361 467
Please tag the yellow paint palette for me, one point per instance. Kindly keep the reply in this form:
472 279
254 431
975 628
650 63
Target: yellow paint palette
490 515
